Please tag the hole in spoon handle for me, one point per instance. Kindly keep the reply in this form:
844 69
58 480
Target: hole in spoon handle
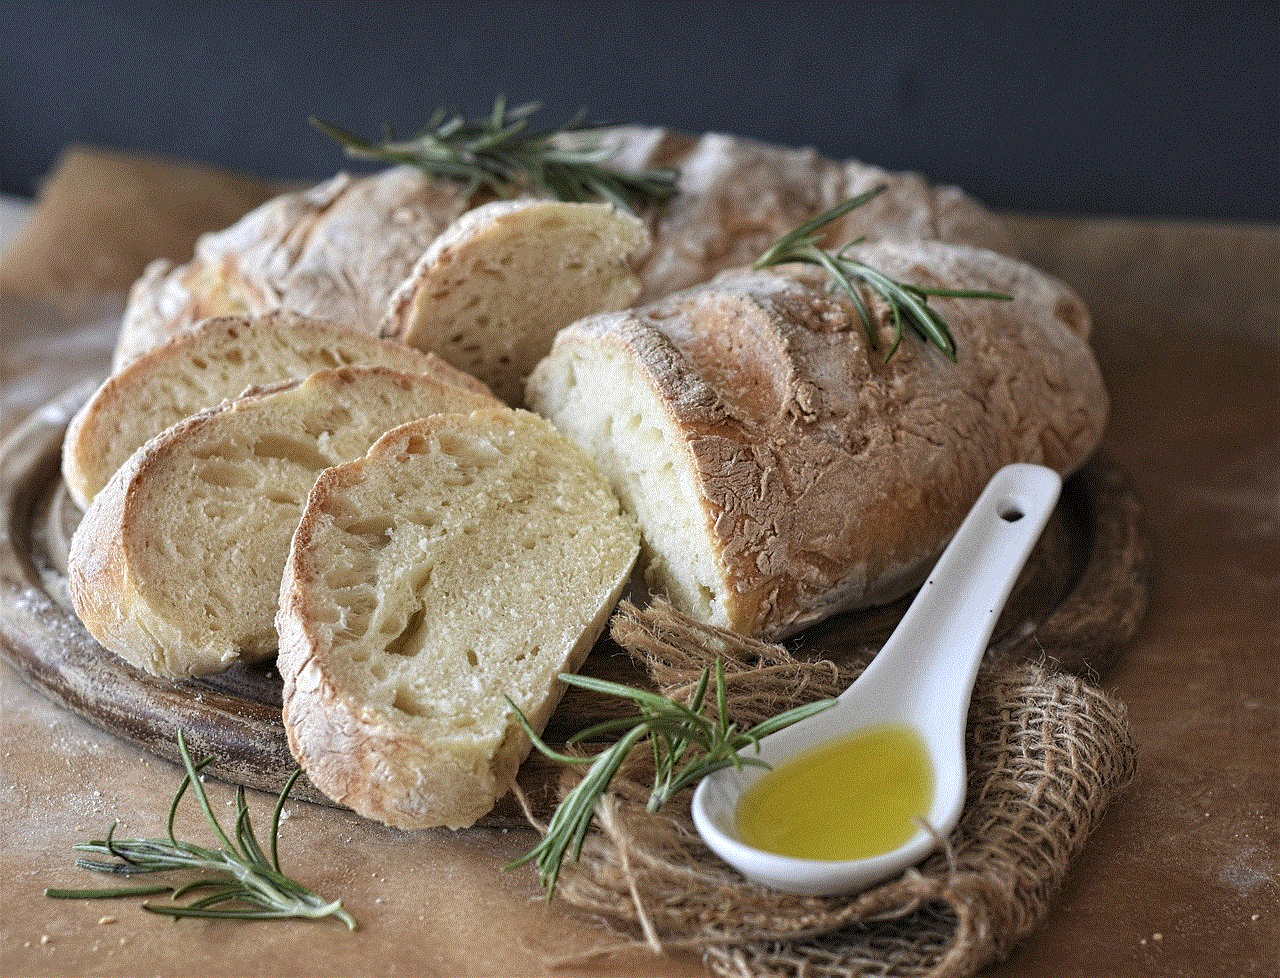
1009 511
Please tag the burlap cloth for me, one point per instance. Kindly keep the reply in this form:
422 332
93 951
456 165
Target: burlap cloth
1046 754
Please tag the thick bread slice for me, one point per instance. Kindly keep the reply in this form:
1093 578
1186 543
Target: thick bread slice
176 564
493 290
780 471
202 367
465 559
343 249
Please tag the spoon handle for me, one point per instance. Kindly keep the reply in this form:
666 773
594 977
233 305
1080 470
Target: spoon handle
933 656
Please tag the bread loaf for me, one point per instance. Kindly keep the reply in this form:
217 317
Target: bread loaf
202 367
492 290
176 564
464 560
779 470
336 251
344 249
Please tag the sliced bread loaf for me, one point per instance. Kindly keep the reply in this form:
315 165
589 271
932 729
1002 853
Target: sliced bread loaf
780 470
176 564
464 560
492 291
344 248
206 365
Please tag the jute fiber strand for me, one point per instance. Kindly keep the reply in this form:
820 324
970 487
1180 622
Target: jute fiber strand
1047 752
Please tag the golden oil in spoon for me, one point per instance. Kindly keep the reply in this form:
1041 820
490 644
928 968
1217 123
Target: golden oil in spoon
854 797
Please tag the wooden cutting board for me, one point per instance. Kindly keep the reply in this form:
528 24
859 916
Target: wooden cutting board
1077 603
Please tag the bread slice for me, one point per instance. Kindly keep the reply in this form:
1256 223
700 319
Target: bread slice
465 559
492 291
202 367
176 564
780 470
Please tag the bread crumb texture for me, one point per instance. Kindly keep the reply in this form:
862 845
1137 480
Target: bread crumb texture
464 560
176 564
212 362
492 291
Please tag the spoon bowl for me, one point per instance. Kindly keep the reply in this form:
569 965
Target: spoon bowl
921 679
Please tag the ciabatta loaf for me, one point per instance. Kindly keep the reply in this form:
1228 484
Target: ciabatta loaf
782 471
206 365
492 291
464 560
176 564
343 249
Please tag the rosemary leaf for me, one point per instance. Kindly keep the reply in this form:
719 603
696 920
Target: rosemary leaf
687 745
107 893
499 152
908 304
238 881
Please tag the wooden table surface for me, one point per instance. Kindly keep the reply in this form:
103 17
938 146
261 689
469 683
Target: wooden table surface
1183 878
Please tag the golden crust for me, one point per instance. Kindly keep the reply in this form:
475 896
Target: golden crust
830 478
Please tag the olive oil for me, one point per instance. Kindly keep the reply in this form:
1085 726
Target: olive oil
854 797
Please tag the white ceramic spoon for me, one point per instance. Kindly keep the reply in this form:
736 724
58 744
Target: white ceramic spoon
922 678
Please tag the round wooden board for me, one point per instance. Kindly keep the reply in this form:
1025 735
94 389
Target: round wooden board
1079 600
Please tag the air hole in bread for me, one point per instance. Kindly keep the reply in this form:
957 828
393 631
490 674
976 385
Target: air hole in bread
339 576
406 702
226 475
290 450
521 656
370 528
407 642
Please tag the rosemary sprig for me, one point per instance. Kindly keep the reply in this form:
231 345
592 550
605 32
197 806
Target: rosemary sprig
687 745
500 153
908 304
238 881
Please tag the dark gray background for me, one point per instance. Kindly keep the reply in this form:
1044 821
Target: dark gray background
1104 108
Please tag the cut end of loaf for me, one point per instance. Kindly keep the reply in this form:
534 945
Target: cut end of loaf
465 560
782 471
604 402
